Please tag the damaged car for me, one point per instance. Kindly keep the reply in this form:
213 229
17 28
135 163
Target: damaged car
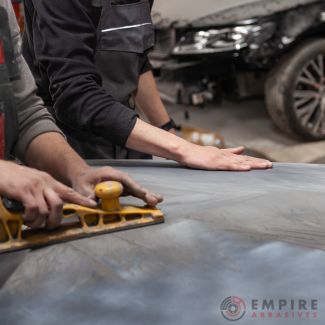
214 49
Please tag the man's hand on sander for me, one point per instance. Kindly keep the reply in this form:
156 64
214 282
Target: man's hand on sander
41 195
86 181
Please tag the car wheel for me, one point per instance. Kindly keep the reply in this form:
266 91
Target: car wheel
295 91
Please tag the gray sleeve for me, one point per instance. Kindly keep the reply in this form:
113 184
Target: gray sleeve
33 117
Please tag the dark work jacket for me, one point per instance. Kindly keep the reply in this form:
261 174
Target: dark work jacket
87 56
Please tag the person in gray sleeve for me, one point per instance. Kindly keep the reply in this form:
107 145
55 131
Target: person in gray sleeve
55 172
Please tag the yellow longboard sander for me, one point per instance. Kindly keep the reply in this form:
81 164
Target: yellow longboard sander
78 221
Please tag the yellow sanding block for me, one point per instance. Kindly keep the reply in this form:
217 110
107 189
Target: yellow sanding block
78 221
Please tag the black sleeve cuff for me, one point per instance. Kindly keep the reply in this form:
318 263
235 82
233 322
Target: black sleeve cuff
146 65
117 125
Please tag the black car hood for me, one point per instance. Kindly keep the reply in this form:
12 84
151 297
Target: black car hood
206 13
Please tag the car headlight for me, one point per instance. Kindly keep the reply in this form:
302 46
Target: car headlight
223 40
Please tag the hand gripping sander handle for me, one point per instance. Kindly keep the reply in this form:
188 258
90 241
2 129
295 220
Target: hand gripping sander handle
108 193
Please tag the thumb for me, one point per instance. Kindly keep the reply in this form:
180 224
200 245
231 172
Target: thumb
86 190
69 195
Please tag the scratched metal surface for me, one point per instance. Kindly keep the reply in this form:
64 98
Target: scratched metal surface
254 235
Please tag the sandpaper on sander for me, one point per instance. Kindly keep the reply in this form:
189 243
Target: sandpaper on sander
78 221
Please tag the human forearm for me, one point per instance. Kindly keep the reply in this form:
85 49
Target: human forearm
33 118
152 140
51 153
149 102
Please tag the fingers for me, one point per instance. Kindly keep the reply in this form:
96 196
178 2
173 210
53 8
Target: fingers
36 210
130 185
257 163
152 199
55 209
231 162
67 194
140 192
211 158
236 151
236 161
227 165
239 167
44 205
252 162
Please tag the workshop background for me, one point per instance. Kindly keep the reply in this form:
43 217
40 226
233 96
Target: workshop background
243 72
233 245
250 70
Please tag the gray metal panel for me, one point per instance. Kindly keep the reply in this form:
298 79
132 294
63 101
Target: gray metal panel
226 233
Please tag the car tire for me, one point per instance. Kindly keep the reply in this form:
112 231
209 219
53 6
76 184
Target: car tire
295 91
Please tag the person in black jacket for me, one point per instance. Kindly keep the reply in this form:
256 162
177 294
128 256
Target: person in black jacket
53 172
90 61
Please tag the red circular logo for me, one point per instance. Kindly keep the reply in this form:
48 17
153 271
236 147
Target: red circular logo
233 308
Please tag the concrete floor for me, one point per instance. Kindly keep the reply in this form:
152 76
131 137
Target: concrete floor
247 123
